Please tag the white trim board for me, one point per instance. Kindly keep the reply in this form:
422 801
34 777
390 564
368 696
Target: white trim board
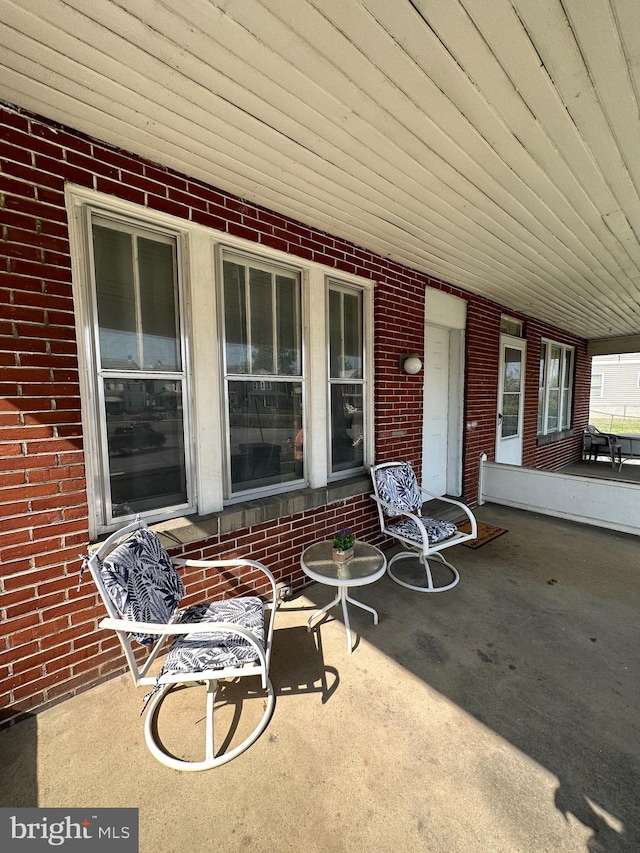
602 503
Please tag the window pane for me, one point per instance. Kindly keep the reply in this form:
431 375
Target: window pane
597 384
541 386
567 373
352 367
335 333
552 410
265 433
288 331
115 295
345 334
565 409
261 300
146 444
543 361
553 377
540 409
512 370
263 330
235 318
160 344
510 326
510 412
512 384
347 429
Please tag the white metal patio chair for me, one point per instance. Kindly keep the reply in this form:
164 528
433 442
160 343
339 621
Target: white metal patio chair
399 499
222 640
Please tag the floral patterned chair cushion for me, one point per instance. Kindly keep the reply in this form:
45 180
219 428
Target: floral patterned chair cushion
142 581
397 485
210 650
437 530
145 586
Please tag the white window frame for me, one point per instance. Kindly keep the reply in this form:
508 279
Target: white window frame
510 326
600 392
226 252
565 411
200 252
341 285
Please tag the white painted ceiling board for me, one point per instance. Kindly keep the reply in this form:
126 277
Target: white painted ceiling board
489 144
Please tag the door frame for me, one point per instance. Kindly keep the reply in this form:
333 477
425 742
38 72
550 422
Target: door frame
448 312
515 442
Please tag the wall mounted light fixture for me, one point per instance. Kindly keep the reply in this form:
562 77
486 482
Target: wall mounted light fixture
410 363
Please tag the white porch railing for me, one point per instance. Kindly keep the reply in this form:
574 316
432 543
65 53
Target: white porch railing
603 503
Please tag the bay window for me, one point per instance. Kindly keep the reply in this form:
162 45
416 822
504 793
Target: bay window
211 373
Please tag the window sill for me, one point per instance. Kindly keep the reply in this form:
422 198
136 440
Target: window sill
194 528
553 437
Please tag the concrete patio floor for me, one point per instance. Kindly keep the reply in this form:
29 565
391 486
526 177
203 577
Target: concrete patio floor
501 716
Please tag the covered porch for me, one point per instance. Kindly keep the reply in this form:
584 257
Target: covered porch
499 716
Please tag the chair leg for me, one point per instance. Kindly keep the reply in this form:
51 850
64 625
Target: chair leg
209 748
431 586
211 759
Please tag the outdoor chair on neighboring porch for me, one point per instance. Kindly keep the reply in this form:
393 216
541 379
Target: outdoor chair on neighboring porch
593 441
399 499
224 641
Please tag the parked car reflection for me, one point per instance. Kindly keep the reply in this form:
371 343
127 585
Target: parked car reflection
135 438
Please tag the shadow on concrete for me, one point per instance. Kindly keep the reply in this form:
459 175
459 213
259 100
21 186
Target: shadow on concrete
500 716
19 763
298 666
539 642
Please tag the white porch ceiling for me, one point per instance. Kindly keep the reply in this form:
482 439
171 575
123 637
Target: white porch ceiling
491 143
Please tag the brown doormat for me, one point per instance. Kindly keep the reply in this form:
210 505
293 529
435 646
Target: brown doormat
486 533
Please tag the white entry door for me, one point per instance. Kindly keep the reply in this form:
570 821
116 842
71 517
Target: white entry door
436 410
510 400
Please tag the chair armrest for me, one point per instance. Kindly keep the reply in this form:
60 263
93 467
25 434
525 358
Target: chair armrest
181 628
393 509
405 513
459 504
232 563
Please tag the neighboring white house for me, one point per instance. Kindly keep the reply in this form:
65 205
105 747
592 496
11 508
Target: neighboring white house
615 386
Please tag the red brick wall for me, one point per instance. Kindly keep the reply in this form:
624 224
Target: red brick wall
481 401
50 647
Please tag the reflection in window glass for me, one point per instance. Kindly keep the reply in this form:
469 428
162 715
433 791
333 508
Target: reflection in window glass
263 332
235 318
345 334
144 460
266 433
512 383
553 376
160 345
567 375
541 388
555 387
115 295
136 296
347 430
288 329
263 341
345 369
145 435
261 309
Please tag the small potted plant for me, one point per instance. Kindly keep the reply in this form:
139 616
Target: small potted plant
343 543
